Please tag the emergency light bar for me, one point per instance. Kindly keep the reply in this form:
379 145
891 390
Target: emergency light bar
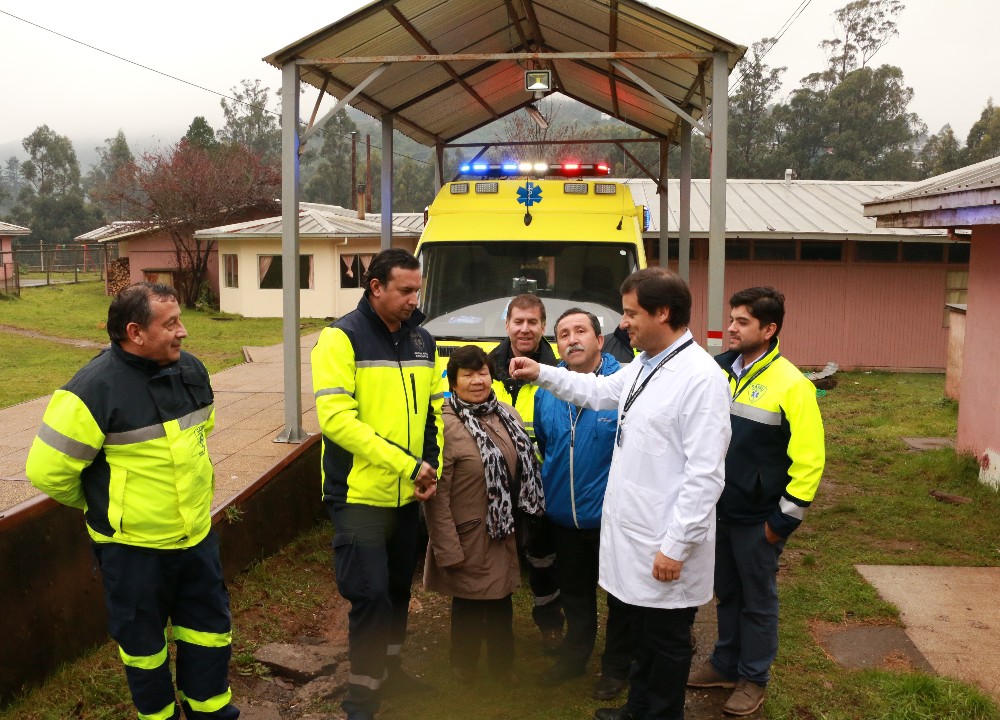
509 169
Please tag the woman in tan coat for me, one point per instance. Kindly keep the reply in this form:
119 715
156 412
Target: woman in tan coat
472 555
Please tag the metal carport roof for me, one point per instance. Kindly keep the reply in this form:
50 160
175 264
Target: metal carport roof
437 69
483 48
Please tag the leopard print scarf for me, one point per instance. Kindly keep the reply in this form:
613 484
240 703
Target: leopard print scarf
500 514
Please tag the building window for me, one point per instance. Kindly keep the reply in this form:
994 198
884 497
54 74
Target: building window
737 249
917 252
774 250
232 270
269 267
822 251
353 269
958 253
876 251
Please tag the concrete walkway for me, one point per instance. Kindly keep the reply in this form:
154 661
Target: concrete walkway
951 614
249 414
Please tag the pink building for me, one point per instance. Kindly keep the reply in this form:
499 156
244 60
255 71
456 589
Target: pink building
149 254
8 268
858 295
963 200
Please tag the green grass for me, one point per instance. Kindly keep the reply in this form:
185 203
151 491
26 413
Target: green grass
79 312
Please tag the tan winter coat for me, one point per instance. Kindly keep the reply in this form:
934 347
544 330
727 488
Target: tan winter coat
462 559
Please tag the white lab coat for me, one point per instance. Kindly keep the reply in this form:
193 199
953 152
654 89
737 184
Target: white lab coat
665 478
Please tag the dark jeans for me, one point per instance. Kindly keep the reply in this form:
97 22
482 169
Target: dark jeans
746 585
472 622
374 558
143 589
540 555
578 551
661 639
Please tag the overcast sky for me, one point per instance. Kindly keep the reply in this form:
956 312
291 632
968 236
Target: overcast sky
944 48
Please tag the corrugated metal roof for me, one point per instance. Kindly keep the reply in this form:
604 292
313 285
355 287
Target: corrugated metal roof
11 229
118 230
315 220
436 102
410 221
800 209
982 175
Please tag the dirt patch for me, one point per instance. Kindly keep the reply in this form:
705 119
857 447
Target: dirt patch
858 645
52 338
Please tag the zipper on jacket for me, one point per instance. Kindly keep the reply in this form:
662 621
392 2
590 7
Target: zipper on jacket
572 444
413 386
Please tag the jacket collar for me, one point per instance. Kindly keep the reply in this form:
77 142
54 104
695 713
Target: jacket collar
504 353
411 323
727 359
150 367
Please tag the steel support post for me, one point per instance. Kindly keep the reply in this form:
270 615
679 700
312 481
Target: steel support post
386 181
684 207
293 432
661 194
717 194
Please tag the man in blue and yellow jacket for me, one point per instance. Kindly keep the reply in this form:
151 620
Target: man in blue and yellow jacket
773 469
125 441
378 400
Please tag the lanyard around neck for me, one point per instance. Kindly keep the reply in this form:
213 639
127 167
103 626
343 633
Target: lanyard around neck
636 392
738 389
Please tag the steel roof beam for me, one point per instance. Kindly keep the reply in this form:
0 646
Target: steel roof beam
670 104
408 26
313 129
495 57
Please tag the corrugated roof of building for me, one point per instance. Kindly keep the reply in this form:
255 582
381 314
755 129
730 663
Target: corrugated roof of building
436 102
315 220
11 229
409 220
118 230
800 209
982 175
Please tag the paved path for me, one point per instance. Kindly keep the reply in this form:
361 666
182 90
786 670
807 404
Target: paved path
951 614
249 412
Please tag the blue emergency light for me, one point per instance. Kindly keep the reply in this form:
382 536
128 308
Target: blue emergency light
533 169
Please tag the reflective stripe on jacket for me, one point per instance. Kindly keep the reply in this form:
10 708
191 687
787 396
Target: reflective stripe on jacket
126 440
379 407
777 453
575 473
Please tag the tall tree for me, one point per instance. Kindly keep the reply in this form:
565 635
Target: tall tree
330 181
187 188
983 142
51 200
871 131
250 122
200 134
803 126
111 159
864 28
941 153
753 129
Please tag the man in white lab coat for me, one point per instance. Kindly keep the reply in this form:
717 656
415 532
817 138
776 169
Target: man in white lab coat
658 528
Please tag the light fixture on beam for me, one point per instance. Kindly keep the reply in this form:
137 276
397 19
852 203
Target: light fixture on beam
538 82
536 115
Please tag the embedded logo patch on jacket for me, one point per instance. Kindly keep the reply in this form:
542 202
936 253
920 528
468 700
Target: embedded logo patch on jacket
200 434
418 346
756 391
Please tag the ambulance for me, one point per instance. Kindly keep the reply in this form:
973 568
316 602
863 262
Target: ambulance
565 232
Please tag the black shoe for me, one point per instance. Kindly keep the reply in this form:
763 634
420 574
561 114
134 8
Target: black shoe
552 641
608 687
558 674
614 714
400 682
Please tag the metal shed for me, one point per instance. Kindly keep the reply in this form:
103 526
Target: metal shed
438 69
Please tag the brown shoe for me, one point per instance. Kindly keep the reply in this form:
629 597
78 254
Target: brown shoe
708 677
746 698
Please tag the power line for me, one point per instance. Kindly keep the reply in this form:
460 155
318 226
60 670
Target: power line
169 76
778 35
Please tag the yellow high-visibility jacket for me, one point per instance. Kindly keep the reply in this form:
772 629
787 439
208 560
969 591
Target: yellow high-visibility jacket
379 400
518 393
126 441
778 451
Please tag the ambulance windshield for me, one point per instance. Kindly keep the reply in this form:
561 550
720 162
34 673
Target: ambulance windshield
466 284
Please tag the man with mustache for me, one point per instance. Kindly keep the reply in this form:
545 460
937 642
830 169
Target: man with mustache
576 445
